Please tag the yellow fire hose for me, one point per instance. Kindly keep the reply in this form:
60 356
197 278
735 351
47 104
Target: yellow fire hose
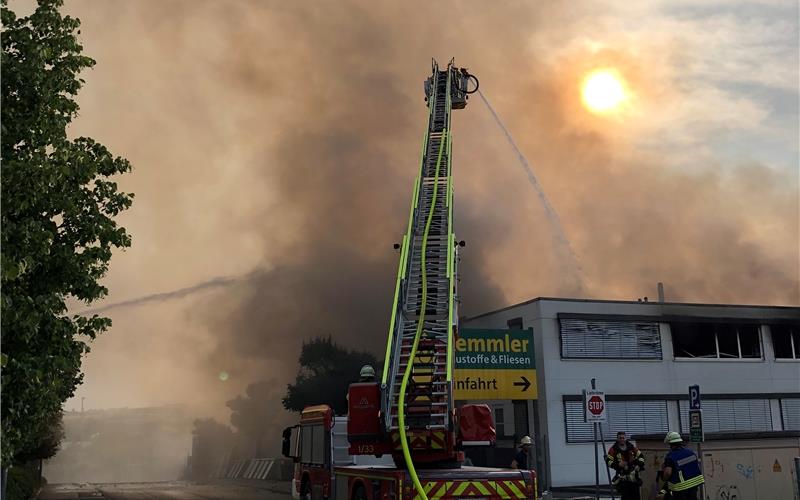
407 374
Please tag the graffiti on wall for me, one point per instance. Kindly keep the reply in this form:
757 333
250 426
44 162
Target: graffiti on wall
745 470
726 492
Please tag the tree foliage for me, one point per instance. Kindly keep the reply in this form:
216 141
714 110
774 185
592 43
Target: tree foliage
251 413
326 370
48 442
58 228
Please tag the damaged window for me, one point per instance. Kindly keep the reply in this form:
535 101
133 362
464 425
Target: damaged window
786 341
609 339
716 340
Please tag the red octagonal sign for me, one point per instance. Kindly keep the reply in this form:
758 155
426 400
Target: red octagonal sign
595 405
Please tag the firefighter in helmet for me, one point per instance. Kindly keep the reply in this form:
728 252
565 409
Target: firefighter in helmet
521 458
367 374
681 474
627 461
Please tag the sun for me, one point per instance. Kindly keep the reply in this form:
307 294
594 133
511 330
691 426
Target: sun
603 91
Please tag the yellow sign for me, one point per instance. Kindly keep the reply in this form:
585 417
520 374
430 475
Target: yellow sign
495 384
494 364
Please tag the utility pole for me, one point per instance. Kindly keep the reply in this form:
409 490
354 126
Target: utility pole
82 398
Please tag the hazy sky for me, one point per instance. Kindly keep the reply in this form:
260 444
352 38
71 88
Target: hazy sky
280 140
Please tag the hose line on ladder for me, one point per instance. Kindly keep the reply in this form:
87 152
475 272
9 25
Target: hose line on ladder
401 416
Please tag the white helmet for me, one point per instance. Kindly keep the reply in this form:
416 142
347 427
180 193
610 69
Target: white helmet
525 440
673 437
367 371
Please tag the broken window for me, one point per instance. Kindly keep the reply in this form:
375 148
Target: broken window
716 340
749 341
609 339
786 341
727 341
694 340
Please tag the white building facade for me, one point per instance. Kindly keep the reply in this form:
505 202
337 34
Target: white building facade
645 355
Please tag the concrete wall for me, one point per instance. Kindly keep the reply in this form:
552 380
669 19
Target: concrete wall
742 469
572 464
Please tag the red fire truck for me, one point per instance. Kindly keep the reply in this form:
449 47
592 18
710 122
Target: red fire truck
324 469
403 437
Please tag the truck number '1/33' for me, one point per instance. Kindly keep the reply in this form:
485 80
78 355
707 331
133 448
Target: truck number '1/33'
366 448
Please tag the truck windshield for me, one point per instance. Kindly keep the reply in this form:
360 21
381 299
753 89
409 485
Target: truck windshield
312 444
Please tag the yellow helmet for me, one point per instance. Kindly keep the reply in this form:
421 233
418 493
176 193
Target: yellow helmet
673 437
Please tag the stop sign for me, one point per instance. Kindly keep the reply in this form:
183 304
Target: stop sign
595 405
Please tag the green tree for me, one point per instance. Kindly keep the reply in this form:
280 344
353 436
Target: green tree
326 370
58 228
48 443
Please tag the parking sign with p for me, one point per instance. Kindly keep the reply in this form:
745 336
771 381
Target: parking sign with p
694 397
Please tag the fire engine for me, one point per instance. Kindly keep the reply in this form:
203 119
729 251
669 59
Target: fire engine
403 437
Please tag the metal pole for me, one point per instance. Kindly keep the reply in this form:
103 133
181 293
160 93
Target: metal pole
702 487
596 463
608 471
797 472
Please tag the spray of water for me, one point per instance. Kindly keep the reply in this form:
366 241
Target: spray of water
566 253
220 281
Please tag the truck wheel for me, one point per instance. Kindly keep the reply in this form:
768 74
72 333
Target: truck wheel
360 493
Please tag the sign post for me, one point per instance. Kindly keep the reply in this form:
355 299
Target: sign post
695 416
696 421
696 426
594 411
694 397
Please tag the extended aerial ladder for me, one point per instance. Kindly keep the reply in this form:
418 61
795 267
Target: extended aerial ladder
416 389
408 421
424 314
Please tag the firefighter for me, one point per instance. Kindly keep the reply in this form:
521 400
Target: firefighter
521 458
681 472
367 374
627 461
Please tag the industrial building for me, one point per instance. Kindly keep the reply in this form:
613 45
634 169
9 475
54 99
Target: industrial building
645 355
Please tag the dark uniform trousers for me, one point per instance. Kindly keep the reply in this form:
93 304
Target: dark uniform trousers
629 490
690 494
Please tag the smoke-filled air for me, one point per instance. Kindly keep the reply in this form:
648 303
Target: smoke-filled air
274 144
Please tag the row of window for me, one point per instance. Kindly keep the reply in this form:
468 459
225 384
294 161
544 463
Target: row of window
650 417
587 339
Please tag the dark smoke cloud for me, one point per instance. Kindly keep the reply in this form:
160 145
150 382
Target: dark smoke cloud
284 137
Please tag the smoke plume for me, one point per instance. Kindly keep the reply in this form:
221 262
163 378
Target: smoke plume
281 140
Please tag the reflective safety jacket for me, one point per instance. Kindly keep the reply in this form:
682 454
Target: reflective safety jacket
685 469
631 455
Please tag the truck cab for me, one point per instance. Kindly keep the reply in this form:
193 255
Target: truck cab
317 445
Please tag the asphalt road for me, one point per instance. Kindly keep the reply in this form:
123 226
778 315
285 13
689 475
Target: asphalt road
166 491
